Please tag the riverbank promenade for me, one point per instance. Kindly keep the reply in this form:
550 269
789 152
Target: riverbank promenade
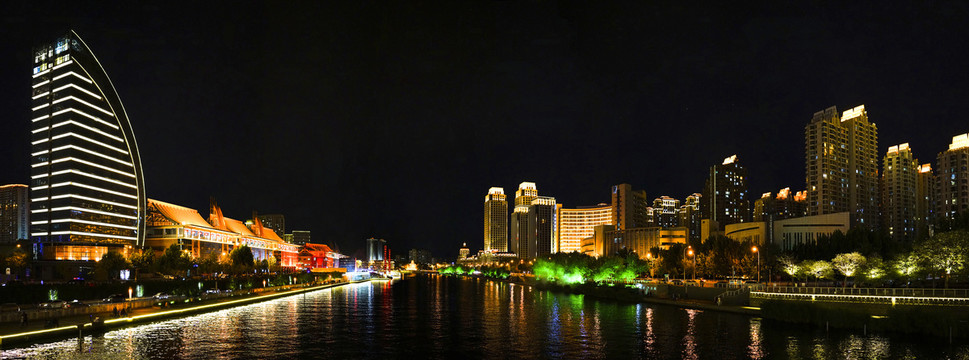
14 333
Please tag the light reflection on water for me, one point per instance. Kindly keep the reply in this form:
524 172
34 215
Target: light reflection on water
432 317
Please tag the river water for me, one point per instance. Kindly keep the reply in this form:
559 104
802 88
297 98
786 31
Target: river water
435 317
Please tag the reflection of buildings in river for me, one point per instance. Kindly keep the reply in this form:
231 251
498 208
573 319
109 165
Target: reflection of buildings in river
755 350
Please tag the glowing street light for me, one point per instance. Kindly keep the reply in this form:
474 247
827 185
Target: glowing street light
754 249
690 251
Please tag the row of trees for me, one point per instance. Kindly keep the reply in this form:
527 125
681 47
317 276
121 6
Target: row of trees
177 262
942 255
577 268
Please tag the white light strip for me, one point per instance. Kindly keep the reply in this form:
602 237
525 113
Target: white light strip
82 197
95 188
93 223
93 211
72 73
45 128
69 97
39 141
79 172
39 164
42 83
87 151
63 64
42 117
79 88
38 187
92 234
62 123
38 234
85 162
41 73
41 106
85 138
38 96
95 118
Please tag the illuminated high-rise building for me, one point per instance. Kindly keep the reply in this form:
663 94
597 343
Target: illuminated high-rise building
527 191
629 207
542 223
87 188
724 197
924 197
952 179
899 192
277 222
496 221
376 249
689 216
665 212
14 213
841 163
574 225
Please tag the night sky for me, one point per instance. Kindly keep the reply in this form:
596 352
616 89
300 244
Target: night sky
392 120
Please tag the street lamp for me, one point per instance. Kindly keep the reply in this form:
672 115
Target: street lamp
754 249
690 251
649 260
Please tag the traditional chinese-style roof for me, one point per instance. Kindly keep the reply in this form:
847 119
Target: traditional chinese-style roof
178 214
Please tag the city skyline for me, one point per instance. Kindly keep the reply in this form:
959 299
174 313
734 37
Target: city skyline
395 113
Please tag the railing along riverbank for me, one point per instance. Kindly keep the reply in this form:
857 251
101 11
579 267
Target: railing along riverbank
888 296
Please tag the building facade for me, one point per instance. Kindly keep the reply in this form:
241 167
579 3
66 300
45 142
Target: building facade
629 207
301 237
789 233
170 224
542 223
664 213
87 187
641 240
724 197
14 213
925 195
518 241
952 178
899 192
690 216
277 222
375 249
574 225
841 163
496 221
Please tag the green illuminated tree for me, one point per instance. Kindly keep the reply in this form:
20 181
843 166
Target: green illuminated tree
907 265
789 266
110 266
818 269
946 252
848 264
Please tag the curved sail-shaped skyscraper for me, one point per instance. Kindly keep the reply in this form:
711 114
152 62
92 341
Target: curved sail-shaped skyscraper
87 188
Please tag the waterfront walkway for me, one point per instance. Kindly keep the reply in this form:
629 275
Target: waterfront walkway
13 334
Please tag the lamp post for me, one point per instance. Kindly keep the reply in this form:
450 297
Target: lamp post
694 263
754 249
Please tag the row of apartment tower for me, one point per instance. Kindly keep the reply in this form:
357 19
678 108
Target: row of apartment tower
842 177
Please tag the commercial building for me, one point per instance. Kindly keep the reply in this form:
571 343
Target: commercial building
952 184
170 224
579 223
638 240
755 232
277 222
629 207
496 221
87 190
789 233
463 252
841 163
14 214
725 198
899 192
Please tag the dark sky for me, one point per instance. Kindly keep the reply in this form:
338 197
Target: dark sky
392 120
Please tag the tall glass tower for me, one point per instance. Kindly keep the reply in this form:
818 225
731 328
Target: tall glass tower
87 188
